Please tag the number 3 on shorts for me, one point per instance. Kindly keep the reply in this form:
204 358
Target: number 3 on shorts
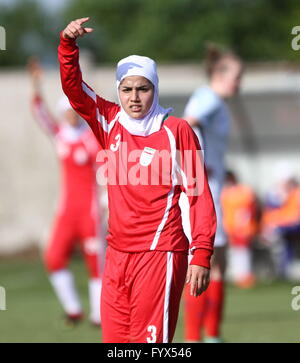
152 330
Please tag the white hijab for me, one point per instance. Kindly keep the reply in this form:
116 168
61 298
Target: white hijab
136 65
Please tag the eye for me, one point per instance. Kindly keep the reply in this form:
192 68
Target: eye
126 90
145 89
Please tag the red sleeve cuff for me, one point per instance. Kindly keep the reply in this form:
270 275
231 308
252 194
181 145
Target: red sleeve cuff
62 38
201 257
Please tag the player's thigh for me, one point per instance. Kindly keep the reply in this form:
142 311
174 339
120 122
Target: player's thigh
90 248
155 296
60 243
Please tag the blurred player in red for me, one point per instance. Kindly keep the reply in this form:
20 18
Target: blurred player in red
149 154
209 115
239 208
78 215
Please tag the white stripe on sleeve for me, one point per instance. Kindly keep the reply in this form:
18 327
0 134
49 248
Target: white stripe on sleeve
100 118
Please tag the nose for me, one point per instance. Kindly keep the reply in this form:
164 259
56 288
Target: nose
135 96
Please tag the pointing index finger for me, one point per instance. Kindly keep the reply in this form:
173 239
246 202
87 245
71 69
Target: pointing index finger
83 20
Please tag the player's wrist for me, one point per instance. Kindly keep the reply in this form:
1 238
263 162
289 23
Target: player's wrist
65 38
201 257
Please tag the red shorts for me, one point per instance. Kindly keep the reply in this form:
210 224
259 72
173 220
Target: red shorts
68 230
141 295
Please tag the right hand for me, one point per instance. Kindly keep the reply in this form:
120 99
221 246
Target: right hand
75 29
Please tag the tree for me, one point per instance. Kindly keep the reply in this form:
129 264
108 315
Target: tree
167 30
175 30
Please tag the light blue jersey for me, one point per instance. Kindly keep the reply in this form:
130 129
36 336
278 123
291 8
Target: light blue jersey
214 118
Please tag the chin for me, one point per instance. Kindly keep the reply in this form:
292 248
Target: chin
136 116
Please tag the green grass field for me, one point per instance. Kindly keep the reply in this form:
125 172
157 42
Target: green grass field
262 314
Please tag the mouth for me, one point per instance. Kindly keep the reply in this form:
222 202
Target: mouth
136 108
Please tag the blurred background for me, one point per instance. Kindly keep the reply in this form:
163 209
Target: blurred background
263 154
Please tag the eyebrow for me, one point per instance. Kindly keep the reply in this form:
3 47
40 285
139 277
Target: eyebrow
139 87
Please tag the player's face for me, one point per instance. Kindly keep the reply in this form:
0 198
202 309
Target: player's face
231 78
71 117
136 96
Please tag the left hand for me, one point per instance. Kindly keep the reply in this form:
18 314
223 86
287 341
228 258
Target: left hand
198 277
35 71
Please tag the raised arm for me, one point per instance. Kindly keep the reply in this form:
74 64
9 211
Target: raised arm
99 113
38 106
202 211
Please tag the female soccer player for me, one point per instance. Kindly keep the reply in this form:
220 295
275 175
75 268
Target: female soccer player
77 217
207 111
149 153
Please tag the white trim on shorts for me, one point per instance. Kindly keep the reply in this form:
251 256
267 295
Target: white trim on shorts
167 297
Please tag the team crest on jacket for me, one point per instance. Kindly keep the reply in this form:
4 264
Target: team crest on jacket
147 156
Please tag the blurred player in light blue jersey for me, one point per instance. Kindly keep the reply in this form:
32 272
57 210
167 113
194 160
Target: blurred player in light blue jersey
208 113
